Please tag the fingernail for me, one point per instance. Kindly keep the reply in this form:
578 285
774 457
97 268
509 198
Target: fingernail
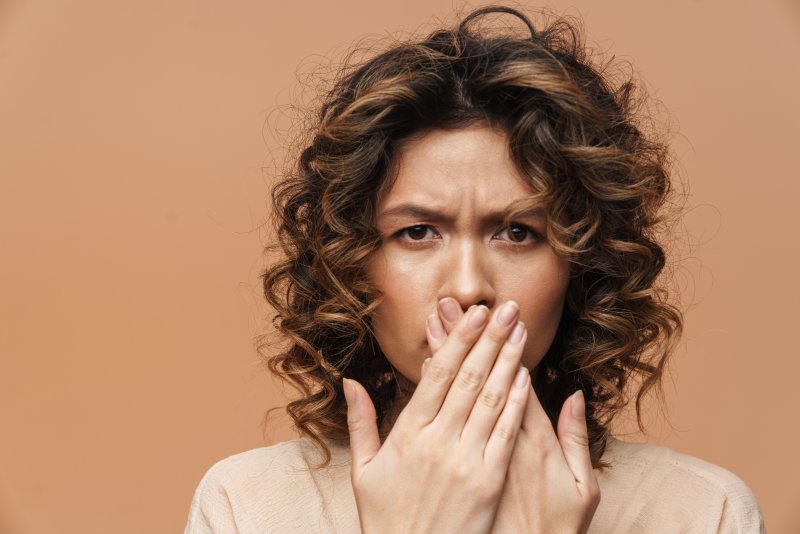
576 404
517 333
478 317
521 378
449 308
507 313
435 326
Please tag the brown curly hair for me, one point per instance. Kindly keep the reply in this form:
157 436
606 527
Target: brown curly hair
580 141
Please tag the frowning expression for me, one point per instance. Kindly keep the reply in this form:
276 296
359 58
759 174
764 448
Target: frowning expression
443 236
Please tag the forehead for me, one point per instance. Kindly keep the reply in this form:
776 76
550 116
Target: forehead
469 166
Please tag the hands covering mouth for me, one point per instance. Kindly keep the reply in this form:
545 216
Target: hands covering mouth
473 429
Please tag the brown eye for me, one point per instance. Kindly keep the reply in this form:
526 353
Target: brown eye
517 233
416 233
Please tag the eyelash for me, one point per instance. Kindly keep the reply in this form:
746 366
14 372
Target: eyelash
533 233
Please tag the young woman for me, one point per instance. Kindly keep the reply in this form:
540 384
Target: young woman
469 294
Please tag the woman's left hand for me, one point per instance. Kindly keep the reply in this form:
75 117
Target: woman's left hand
550 486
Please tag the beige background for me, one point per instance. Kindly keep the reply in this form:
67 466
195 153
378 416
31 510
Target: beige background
132 141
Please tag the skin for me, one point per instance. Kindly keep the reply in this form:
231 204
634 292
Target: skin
460 251
470 307
568 493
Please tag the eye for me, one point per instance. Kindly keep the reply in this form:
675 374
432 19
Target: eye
519 233
417 233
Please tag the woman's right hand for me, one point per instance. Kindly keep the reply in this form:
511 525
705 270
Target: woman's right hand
443 465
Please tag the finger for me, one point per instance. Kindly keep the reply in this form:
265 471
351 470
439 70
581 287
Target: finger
504 434
449 312
362 425
476 367
425 366
435 332
432 389
574 438
493 396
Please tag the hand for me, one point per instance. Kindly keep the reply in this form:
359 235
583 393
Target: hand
443 465
550 486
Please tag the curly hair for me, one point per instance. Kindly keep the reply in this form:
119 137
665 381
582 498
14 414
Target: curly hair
577 138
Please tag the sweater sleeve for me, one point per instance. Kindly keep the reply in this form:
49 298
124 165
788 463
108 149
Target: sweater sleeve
740 511
211 511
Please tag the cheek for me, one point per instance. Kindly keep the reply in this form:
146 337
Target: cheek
401 337
399 320
541 332
541 307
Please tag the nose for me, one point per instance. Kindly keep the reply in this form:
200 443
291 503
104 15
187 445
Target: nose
467 275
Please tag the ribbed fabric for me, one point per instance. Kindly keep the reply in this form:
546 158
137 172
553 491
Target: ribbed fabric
647 490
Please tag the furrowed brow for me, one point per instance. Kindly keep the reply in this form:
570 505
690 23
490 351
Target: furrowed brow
532 212
411 211
415 211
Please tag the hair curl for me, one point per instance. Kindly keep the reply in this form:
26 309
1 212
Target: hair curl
579 140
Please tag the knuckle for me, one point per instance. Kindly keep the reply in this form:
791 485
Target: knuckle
462 472
490 398
470 378
359 425
429 458
505 433
484 489
510 356
438 373
354 426
496 335
465 335
456 467
518 400
580 440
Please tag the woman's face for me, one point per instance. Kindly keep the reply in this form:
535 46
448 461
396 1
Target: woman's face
441 225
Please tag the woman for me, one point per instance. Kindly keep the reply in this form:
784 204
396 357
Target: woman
469 293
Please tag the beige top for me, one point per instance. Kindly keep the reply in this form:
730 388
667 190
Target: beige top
648 489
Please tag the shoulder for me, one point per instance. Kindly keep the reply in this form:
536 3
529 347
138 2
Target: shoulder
657 483
252 489
279 459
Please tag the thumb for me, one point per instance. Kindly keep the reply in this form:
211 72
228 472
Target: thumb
574 439
361 423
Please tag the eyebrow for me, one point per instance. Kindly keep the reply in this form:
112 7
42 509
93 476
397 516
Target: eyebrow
415 211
